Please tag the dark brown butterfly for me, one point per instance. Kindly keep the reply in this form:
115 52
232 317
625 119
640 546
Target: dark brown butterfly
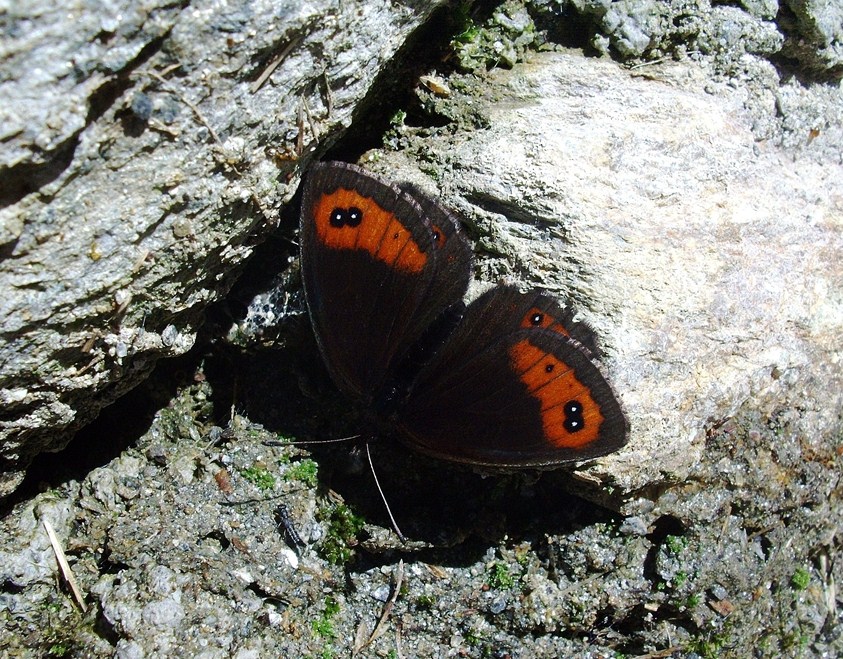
508 381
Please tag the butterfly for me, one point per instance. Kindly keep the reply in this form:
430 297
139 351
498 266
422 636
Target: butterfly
507 381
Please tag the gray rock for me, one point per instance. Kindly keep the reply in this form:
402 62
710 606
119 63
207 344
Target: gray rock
816 37
143 150
705 261
54 76
706 257
633 525
766 9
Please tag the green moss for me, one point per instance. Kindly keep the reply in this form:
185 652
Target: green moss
693 601
187 413
709 647
304 471
53 606
341 538
680 579
800 579
501 41
676 544
323 626
397 119
259 477
332 607
425 602
324 629
472 638
60 650
522 556
463 24
795 641
470 33
500 577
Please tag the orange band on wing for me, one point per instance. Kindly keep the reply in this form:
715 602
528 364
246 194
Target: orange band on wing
571 418
379 232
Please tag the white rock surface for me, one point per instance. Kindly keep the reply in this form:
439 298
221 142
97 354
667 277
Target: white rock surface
709 264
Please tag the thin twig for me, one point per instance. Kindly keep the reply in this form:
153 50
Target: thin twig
398 651
659 654
270 68
381 626
67 573
651 62
168 87
311 120
726 518
829 590
300 126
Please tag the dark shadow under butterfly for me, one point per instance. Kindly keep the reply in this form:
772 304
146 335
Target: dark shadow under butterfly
508 381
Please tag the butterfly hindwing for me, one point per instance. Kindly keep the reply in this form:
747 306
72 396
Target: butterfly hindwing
379 264
514 385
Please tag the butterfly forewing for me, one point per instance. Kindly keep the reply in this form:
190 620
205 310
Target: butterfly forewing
376 273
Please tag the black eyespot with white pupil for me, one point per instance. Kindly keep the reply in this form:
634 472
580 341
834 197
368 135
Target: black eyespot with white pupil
346 217
574 421
536 318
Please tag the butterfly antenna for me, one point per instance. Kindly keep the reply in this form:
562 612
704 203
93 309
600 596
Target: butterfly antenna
383 497
304 442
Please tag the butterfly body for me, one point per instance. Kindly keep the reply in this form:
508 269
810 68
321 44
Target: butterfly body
507 381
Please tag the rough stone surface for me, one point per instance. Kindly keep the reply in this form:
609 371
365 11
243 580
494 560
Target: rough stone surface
689 210
708 263
816 38
738 559
141 160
